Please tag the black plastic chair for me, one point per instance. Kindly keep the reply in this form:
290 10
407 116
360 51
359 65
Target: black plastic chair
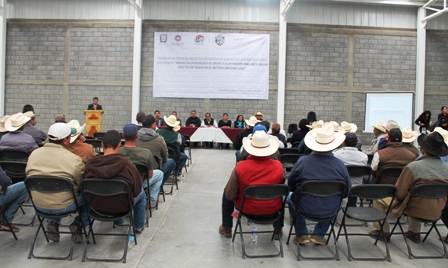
114 192
283 151
368 214
51 185
364 172
2 210
16 170
171 149
369 159
162 192
188 148
388 175
295 145
262 192
320 188
289 160
426 191
143 170
99 135
96 144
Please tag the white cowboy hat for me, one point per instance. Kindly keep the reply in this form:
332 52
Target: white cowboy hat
442 132
324 139
259 113
172 122
261 144
31 114
380 126
79 129
336 127
252 121
16 121
408 135
2 123
391 124
349 127
316 124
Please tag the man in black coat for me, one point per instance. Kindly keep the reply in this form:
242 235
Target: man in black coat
95 105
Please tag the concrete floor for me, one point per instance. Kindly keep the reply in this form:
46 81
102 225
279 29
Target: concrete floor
184 233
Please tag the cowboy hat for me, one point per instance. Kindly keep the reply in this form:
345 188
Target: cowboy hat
380 126
252 121
79 129
261 144
316 124
391 124
324 139
349 127
408 135
2 123
16 121
442 132
172 122
336 127
259 113
31 114
433 144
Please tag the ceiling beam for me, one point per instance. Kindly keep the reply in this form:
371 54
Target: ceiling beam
135 5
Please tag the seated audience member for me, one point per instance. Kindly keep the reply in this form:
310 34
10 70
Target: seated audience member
53 159
177 118
60 118
259 127
350 127
258 169
259 116
171 136
379 130
144 157
409 137
193 120
27 107
424 121
12 195
16 139
392 155
208 121
442 123
77 142
225 122
427 169
149 139
389 125
350 155
113 165
443 113
275 131
444 219
239 122
159 121
3 129
302 148
311 117
298 135
30 128
320 165
238 141
139 118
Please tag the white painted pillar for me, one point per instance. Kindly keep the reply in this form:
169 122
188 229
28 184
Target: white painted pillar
3 56
281 66
136 68
420 69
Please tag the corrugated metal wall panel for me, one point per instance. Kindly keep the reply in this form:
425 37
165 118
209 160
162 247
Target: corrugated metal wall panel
439 23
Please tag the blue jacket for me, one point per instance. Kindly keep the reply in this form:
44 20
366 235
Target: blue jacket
318 166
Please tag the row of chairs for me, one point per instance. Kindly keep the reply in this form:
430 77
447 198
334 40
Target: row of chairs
337 188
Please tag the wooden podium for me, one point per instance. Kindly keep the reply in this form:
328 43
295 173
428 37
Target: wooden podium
93 121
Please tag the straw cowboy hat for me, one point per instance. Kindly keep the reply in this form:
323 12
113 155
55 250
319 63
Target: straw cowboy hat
349 127
380 126
324 139
31 114
433 144
16 121
391 124
2 123
252 121
261 144
172 122
79 129
316 124
408 135
442 132
336 127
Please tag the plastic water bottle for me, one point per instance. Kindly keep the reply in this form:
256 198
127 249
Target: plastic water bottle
131 242
254 232
182 177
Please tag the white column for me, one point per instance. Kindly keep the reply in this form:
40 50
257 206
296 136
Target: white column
2 56
420 69
281 66
136 68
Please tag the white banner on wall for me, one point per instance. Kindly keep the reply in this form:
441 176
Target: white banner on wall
211 65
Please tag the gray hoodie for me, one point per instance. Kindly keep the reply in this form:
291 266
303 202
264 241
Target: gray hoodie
147 134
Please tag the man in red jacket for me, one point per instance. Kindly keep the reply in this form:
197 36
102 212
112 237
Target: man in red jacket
259 168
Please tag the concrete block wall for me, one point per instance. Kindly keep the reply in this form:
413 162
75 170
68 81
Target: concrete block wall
436 71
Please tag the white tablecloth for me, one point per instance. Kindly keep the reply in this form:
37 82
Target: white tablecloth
209 134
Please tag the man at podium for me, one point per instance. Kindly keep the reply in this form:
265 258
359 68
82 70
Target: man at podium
94 105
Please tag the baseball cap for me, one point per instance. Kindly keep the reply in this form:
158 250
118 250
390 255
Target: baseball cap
130 130
350 139
59 131
259 127
395 134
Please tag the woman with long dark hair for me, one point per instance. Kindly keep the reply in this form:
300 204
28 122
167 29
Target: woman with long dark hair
298 135
239 122
444 112
424 121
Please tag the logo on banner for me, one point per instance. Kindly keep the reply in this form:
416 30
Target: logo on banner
199 39
219 40
177 38
163 38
